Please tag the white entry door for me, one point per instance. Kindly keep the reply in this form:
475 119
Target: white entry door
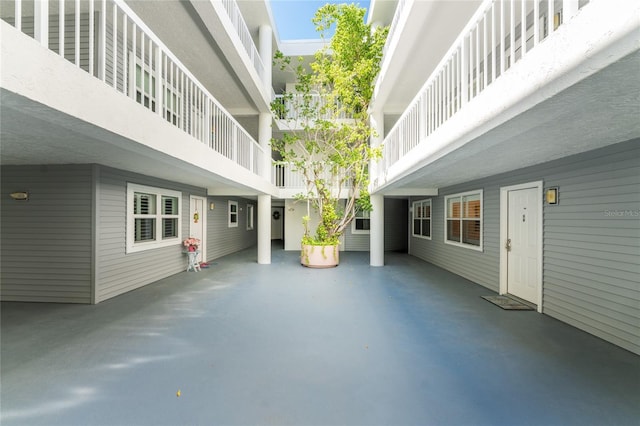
523 244
197 223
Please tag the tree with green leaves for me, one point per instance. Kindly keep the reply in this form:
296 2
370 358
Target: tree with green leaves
328 140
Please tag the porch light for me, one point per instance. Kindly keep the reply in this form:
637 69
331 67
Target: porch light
552 195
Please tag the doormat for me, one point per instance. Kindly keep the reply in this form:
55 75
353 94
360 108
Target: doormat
507 303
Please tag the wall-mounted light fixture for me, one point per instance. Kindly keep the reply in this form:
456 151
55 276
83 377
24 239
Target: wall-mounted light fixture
212 206
551 196
20 195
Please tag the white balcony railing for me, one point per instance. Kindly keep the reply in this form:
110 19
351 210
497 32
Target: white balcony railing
394 23
499 34
233 11
107 40
292 104
284 175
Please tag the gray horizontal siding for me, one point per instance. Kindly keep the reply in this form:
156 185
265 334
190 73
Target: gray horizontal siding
480 267
117 271
592 245
395 229
46 241
591 254
223 240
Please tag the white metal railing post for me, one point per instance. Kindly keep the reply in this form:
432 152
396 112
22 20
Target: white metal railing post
536 23
477 68
61 28
234 143
133 61
493 42
18 12
114 47
464 68
512 32
77 33
485 56
503 50
41 22
569 8
103 42
91 36
159 80
523 28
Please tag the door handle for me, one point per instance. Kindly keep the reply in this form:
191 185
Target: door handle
507 246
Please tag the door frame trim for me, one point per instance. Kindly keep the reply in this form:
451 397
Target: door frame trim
504 216
203 219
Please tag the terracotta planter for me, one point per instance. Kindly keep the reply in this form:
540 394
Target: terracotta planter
320 256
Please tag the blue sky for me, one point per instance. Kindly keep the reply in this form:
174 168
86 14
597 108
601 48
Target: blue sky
293 17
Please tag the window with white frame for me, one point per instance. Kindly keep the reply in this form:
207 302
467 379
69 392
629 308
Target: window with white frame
422 219
361 223
153 217
233 214
249 217
463 219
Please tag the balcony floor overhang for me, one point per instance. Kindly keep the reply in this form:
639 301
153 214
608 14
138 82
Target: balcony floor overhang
53 112
595 112
33 133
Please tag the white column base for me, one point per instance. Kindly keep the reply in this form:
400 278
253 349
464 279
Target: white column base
376 233
264 229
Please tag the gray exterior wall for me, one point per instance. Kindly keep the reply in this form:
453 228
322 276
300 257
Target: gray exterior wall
46 242
117 271
67 243
591 240
222 240
395 229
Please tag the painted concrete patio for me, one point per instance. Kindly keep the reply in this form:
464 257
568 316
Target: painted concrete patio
249 344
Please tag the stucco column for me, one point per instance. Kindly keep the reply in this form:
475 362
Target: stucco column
264 139
264 229
265 48
376 233
376 119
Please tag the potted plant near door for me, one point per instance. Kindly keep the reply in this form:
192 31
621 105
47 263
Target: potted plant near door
327 141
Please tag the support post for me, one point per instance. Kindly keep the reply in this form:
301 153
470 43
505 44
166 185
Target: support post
264 229
376 234
264 139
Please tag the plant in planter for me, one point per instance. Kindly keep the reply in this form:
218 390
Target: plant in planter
328 121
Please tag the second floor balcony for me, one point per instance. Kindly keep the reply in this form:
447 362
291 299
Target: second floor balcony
513 57
106 40
290 110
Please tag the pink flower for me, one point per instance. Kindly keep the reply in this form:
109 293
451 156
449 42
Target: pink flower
191 242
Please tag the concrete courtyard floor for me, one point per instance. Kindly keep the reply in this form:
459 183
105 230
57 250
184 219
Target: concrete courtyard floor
249 344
